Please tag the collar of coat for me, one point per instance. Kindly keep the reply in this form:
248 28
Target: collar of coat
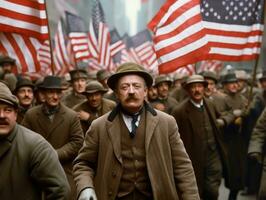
117 109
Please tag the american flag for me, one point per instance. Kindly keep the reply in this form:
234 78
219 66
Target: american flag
179 35
117 47
24 28
101 31
234 28
187 70
44 57
78 37
210 65
23 49
61 57
144 48
25 17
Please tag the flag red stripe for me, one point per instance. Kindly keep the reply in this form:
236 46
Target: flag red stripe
235 46
233 33
33 52
21 17
171 66
191 21
33 4
18 51
177 45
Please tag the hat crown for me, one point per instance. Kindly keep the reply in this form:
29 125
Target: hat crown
129 68
78 73
7 96
196 78
51 82
162 78
94 86
211 75
23 82
229 78
102 74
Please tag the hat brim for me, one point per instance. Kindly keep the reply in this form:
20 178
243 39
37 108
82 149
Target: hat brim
93 91
51 87
205 83
230 81
113 79
14 104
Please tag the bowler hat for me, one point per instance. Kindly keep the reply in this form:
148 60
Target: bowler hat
126 69
51 82
210 75
229 78
102 74
196 78
6 96
163 78
94 86
241 75
6 59
23 82
78 73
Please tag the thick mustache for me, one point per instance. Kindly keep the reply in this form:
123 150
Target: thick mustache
131 98
3 122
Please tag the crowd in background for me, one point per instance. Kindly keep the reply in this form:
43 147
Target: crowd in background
221 121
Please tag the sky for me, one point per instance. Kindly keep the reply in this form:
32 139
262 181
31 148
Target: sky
132 8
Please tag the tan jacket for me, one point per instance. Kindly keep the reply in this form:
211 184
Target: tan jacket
100 165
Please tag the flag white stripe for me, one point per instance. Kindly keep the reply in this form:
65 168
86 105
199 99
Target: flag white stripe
181 36
235 52
184 50
180 20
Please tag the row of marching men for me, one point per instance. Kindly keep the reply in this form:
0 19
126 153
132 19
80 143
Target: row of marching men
215 124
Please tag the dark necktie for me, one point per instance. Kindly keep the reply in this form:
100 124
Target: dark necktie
201 108
133 125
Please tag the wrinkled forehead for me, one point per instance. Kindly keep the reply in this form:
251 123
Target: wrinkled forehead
130 79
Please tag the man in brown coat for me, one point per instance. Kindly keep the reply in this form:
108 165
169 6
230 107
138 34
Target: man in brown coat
78 82
58 124
95 106
29 165
196 118
134 152
24 92
257 151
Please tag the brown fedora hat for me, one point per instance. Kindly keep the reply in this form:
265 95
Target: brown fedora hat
129 68
94 86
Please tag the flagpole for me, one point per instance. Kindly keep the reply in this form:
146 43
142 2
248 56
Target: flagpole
50 40
252 82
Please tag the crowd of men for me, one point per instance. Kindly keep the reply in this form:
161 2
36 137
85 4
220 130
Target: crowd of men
130 135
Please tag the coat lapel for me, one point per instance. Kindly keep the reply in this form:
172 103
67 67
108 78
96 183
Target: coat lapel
151 122
114 133
6 143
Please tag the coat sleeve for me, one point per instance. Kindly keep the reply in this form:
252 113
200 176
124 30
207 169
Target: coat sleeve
258 135
70 150
46 171
183 171
85 163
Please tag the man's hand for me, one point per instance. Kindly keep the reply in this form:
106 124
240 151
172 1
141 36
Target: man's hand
87 194
83 115
237 112
220 122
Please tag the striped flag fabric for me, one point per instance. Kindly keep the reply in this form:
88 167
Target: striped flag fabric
44 58
101 31
234 28
23 49
61 56
25 17
210 65
179 35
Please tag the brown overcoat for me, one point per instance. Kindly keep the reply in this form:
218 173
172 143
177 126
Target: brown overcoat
100 165
64 133
193 138
29 166
258 145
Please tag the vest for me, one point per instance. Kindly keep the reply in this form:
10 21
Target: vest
135 175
